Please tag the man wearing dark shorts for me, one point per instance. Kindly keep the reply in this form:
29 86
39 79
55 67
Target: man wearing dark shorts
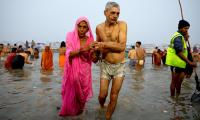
177 57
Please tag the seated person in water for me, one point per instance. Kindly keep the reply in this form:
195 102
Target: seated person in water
47 59
20 59
10 57
36 53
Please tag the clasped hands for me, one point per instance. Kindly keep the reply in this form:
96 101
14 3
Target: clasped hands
94 46
97 46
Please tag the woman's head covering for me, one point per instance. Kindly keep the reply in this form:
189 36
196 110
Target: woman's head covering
72 39
47 58
73 36
47 48
83 18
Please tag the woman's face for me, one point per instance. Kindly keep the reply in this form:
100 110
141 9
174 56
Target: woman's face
47 48
82 29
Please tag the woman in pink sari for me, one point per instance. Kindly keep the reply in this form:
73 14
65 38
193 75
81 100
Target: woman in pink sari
77 78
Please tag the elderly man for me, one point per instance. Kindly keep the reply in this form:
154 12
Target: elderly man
111 42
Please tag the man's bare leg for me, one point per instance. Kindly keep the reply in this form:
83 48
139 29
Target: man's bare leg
104 85
173 84
180 78
116 86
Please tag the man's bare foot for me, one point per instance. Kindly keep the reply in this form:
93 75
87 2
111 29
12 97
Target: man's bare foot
108 117
172 97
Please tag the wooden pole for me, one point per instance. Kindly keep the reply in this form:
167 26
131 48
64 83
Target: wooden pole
179 1
196 76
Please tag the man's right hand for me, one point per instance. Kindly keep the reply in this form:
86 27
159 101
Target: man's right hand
98 46
193 64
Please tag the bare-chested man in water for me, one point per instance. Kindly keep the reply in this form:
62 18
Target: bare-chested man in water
111 42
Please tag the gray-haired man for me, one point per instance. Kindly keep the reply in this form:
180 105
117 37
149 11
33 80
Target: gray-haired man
111 42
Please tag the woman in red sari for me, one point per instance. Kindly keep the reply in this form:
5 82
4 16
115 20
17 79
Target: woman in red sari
77 78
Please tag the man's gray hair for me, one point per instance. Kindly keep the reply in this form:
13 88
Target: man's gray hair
111 4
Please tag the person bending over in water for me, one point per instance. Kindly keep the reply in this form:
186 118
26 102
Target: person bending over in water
20 59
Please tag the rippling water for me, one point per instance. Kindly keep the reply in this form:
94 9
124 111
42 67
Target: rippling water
31 94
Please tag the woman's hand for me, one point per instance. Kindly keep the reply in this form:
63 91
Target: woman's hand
90 47
84 49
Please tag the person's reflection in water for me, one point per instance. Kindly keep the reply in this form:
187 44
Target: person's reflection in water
138 76
101 114
176 115
45 75
196 106
181 109
20 74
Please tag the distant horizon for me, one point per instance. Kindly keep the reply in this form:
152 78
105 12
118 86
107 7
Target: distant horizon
143 44
147 45
29 41
151 22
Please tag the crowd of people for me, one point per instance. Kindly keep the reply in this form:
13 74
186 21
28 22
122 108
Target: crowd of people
17 56
81 50
159 56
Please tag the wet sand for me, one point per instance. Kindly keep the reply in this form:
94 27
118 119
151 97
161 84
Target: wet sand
31 94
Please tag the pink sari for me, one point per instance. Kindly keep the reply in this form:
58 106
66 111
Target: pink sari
77 78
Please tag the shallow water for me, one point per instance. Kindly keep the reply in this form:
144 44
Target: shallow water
31 94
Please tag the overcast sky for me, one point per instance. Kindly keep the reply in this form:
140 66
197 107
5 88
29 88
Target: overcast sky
150 21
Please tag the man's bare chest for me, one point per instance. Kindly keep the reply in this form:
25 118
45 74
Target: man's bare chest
109 36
